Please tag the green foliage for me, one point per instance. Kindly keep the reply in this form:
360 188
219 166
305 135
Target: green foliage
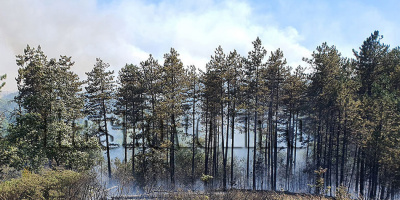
206 178
326 62
26 136
98 103
25 147
45 130
183 161
52 185
174 84
99 92
375 66
156 171
345 114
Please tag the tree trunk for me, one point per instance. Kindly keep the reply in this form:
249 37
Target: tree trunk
207 141
232 142
133 150
73 132
125 136
255 149
342 164
227 135
172 154
288 150
383 188
223 143
295 145
362 172
214 164
276 139
107 142
143 149
330 152
270 167
247 128
357 167
193 132
337 151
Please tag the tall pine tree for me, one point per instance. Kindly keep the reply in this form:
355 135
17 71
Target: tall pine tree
98 106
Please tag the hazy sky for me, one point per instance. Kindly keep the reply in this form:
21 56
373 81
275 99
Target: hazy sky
127 31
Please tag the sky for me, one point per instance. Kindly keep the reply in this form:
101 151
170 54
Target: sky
127 31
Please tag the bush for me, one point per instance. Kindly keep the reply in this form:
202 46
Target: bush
122 174
342 194
50 184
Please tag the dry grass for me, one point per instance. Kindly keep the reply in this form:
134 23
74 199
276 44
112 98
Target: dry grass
229 195
242 194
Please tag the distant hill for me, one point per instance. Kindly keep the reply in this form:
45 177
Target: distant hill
7 105
7 95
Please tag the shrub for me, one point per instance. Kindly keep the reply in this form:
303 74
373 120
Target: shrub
342 194
50 184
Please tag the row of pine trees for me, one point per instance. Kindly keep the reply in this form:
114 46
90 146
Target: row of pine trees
338 116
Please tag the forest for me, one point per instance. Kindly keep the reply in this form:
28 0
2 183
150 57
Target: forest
247 122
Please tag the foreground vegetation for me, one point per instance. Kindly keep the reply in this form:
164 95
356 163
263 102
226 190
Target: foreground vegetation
178 123
66 184
229 195
52 184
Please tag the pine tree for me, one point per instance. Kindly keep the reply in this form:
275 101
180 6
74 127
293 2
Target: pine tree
151 121
294 91
369 70
130 99
274 76
254 64
193 97
234 72
50 103
174 85
210 106
98 107
152 72
324 91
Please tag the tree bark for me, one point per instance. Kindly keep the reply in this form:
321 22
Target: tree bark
107 142
172 153
232 142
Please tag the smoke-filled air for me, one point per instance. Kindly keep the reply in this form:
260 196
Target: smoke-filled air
142 100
